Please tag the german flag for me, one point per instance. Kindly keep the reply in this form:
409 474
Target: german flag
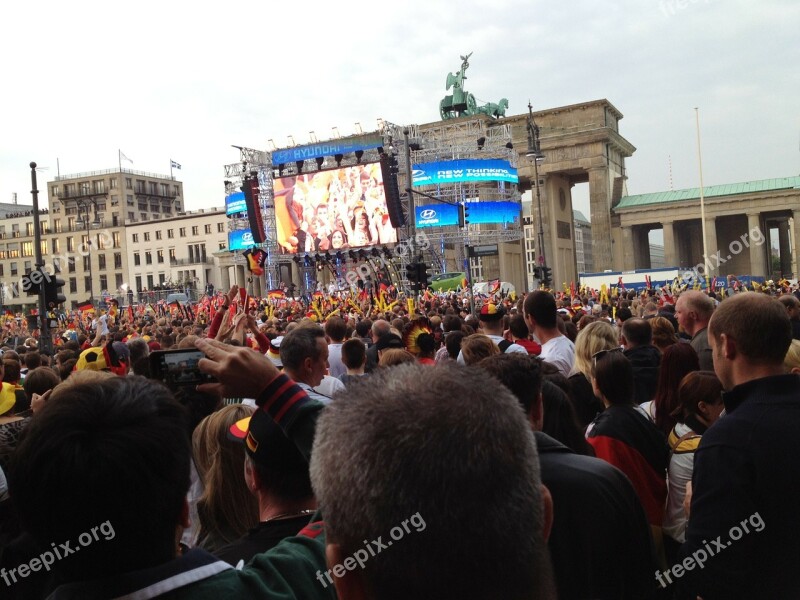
276 295
85 306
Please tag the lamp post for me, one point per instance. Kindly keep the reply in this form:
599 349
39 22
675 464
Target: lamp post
534 152
83 206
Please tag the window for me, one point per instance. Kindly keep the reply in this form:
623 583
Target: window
170 233
28 266
142 205
158 234
101 241
208 228
86 188
137 259
115 239
140 186
101 259
87 262
195 230
28 228
161 278
70 244
27 248
57 225
220 227
143 216
73 285
100 187
165 189
172 258
118 280
54 191
223 246
87 284
56 245
115 220
177 190
71 263
117 260
71 224
131 216
129 200
182 231
135 238
113 184
128 185
146 236
138 283
150 282
13 269
160 256
153 189
43 247
148 258
103 282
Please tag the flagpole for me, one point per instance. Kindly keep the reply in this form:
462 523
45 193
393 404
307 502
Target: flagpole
119 159
170 169
702 201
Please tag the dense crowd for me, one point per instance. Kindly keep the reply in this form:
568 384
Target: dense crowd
583 445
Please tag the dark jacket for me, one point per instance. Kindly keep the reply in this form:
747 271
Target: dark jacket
645 361
587 406
746 477
600 542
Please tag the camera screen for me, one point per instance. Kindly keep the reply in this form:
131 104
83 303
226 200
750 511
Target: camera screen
180 368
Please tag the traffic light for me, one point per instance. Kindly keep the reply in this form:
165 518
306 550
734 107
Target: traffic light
412 273
423 276
547 276
52 291
32 282
537 273
463 215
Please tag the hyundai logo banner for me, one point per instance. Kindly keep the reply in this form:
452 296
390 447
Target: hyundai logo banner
241 239
453 171
234 204
329 148
442 215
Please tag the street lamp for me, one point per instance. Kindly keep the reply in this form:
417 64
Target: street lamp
83 206
534 152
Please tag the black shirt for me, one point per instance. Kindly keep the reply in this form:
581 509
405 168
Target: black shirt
261 538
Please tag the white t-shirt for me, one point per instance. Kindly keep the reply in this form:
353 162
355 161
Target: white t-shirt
335 365
559 351
328 387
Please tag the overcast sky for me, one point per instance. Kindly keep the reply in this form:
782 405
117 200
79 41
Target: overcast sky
186 80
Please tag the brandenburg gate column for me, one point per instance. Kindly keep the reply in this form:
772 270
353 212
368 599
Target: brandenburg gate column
711 242
796 234
670 249
628 249
758 257
600 208
225 278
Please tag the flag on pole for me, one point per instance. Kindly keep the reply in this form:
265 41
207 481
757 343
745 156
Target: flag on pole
174 165
123 157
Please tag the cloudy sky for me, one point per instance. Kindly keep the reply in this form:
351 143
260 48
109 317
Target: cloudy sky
186 80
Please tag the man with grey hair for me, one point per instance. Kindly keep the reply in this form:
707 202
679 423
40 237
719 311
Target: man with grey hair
379 329
693 311
452 497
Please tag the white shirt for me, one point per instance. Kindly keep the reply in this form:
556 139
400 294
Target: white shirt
559 351
335 365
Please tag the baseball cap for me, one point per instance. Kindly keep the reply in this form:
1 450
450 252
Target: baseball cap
388 340
266 443
491 312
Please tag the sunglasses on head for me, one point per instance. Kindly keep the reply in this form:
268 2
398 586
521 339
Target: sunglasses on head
602 353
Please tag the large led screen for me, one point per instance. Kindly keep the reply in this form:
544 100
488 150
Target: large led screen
442 215
463 170
332 210
241 239
235 204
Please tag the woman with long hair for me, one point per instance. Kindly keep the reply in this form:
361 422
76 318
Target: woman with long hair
699 406
592 338
677 361
226 508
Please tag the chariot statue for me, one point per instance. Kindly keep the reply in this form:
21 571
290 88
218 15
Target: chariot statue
462 103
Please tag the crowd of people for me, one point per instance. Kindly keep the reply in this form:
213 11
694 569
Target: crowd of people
539 447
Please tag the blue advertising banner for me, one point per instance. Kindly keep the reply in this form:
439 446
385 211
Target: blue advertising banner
327 148
442 215
473 169
241 239
234 203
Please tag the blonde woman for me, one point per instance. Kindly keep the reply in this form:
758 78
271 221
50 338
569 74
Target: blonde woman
663 333
226 508
792 361
592 338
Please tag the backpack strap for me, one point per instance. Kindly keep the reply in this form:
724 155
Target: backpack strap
504 345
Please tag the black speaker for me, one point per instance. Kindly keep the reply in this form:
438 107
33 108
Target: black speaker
393 203
251 192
